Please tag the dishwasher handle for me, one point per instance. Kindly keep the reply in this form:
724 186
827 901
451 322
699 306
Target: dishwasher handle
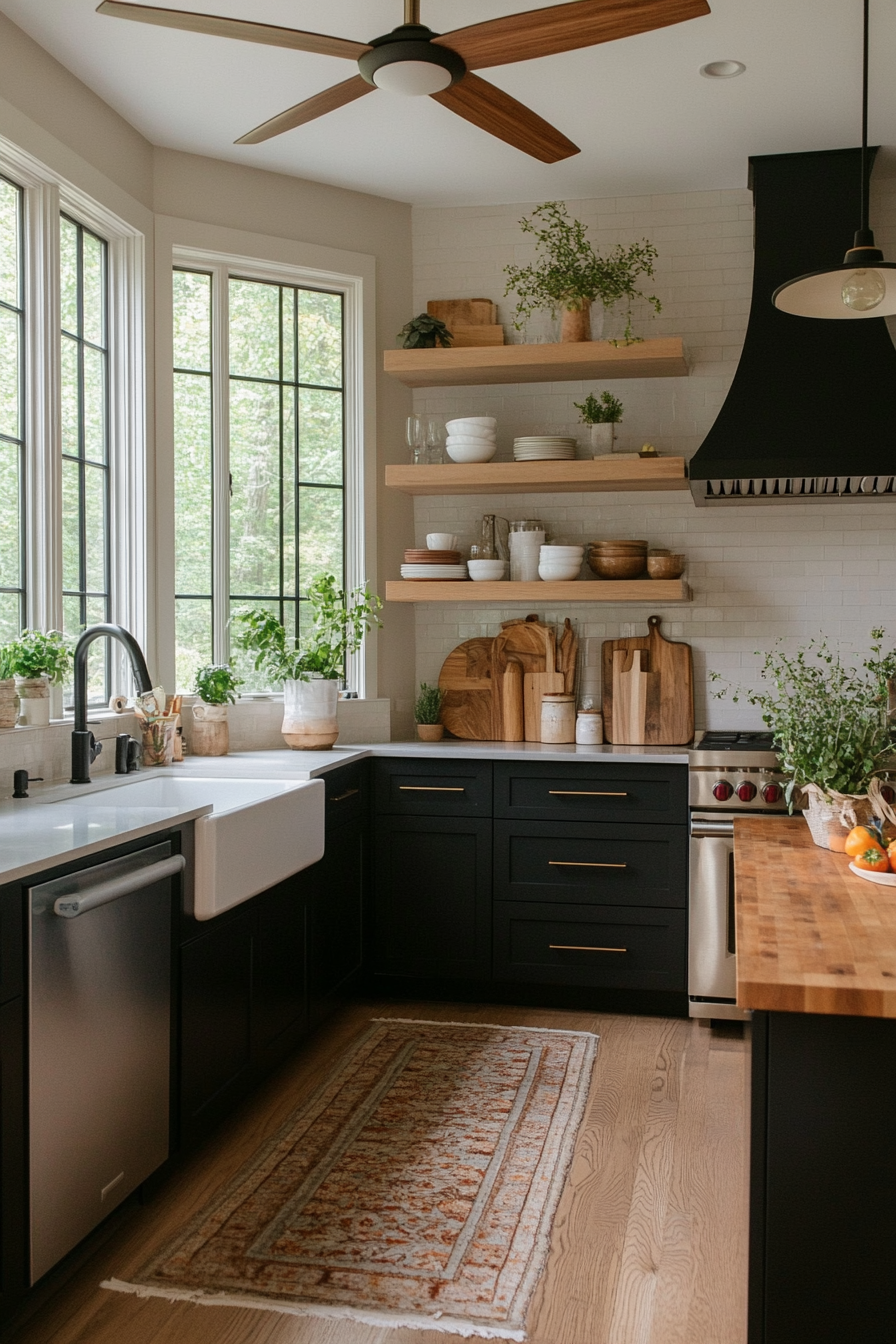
69 907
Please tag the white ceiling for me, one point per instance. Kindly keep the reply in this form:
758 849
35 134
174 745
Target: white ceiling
645 119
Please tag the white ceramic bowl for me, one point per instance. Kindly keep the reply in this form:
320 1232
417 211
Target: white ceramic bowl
555 553
476 452
441 541
487 569
466 440
477 423
558 573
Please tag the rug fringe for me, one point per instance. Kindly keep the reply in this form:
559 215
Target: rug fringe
445 1324
489 1026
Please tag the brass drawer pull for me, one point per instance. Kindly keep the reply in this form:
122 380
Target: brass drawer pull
566 947
583 793
570 863
428 788
341 797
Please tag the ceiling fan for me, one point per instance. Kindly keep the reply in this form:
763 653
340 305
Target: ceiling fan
414 60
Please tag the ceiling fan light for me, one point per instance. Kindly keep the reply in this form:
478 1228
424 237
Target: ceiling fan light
412 79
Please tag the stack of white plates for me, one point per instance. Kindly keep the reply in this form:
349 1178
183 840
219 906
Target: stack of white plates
441 572
544 448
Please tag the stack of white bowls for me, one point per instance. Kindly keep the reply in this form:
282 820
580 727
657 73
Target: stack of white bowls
472 439
560 564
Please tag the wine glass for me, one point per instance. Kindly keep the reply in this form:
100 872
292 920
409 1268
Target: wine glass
415 437
433 438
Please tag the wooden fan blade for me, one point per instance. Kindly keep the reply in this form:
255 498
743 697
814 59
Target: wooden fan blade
312 108
494 111
581 23
243 29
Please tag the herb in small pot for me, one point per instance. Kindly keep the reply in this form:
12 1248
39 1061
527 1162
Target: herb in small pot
428 705
216 684
424 333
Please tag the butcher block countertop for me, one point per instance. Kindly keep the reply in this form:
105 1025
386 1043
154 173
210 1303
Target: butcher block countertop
811 936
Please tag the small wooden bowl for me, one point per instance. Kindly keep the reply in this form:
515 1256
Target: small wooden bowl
666 566
616 566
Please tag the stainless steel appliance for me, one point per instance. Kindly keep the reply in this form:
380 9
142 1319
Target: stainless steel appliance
729 774
99 1031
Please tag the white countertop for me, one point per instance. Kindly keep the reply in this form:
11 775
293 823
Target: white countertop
44 830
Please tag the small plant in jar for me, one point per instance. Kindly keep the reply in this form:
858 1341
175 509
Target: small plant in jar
427 712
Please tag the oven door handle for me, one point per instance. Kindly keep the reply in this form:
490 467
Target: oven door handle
705 830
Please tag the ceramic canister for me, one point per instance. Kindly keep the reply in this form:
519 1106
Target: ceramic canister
590 728
558 718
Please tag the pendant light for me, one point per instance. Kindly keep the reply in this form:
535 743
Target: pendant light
865 285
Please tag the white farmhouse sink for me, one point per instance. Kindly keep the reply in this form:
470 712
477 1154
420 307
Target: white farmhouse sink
258 833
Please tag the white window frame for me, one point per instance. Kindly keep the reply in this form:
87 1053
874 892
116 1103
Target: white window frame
276 261
47 195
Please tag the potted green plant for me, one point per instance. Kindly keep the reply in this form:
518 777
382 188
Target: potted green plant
309 666
602 415
38 660
833 732
424 333
9 700
427 709
570 275
215 685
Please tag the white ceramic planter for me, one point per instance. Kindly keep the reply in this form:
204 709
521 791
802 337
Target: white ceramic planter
34 701
211 733
602 437
309 714
9 703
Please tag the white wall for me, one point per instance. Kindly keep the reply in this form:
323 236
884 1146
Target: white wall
757 572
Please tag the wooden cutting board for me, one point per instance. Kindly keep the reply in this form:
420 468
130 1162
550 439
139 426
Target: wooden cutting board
481 333
669 703
526 642
463 312
633 691
466 679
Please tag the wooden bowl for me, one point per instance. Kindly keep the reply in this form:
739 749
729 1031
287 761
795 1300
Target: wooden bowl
620 545
666 566
616 566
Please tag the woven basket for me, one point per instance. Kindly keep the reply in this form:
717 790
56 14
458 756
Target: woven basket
830 818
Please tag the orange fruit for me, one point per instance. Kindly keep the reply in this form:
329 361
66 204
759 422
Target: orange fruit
861 839
873 861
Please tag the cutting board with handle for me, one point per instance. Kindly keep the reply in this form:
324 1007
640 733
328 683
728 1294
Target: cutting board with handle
527 643
669 688
466 679
463 312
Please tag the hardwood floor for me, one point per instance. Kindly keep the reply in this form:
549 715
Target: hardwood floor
649 1243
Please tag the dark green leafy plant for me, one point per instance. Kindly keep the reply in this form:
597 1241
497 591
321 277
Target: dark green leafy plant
428 705
606 411
35 654
7 661
569 272
341 620
424 333
830 722
216 684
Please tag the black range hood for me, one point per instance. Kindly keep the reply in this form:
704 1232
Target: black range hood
812 409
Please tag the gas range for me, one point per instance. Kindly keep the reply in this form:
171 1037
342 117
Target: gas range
736 772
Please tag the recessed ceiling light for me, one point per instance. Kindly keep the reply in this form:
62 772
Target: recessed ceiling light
722 69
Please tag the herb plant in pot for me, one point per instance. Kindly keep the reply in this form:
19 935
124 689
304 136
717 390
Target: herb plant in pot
427 709
9 700
602 415
570 275
216 687
38 660
833 733
309 667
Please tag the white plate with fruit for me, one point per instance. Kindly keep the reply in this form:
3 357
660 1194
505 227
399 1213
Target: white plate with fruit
882 879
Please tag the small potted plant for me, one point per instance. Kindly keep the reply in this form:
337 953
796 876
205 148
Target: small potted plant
833 732
9 700
602 415
569 275
216 687
309 667
38 660
424 333
427 708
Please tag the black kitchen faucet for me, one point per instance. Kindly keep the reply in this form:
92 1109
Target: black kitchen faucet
85 747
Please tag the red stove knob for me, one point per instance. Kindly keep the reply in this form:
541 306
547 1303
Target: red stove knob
888 793
772 793
746 792
722 791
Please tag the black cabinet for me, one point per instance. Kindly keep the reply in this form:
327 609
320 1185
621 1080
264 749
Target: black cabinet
336 918
603 792
13 1215
444 788
279 976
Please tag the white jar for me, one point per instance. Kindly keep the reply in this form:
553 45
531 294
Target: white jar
590 728
558 718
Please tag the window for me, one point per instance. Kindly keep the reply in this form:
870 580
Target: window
260 504
12 409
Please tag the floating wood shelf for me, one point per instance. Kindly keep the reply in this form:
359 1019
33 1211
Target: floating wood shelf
660 592
565 362
541 478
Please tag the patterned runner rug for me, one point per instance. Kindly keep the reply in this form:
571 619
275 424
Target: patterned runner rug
417 1187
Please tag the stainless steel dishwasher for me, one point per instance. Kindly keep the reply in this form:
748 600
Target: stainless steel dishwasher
99 1025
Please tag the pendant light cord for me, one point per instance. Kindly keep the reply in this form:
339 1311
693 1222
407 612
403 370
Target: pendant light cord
866 186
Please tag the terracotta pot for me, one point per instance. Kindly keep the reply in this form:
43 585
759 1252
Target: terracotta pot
34 700
211 733
575 323
309 714
9 703
430 732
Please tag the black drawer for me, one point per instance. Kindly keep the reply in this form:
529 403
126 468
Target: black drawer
593 864
579 945
589 792
433 788
346 793
12 917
